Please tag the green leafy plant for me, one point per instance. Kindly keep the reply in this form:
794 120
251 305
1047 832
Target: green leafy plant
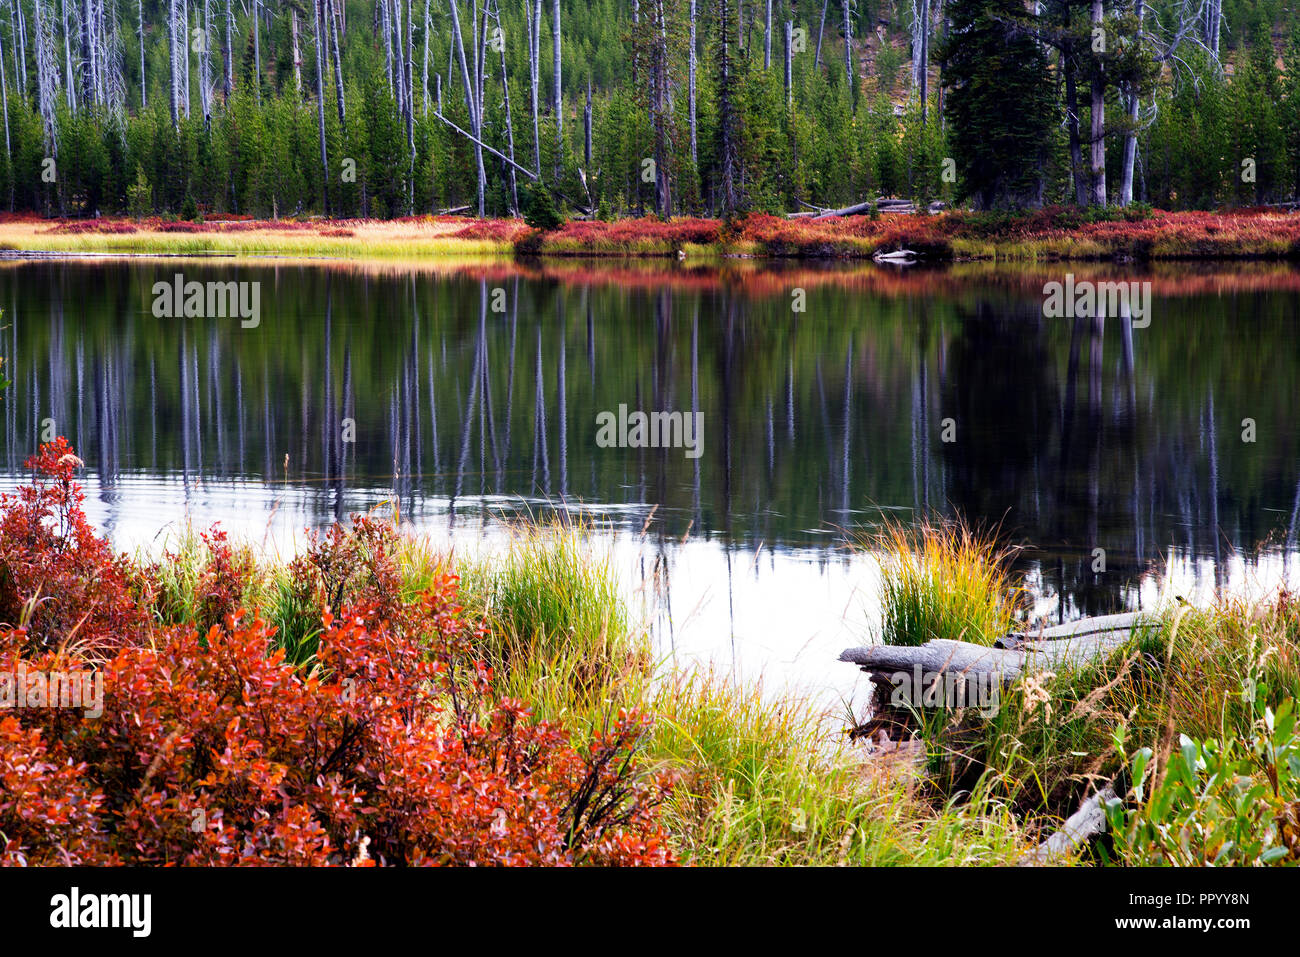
1216 802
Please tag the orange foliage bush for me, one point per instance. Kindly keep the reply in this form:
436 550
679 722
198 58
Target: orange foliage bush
389 747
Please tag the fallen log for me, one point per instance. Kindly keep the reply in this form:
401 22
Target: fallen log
1080 827
853 210
1063 646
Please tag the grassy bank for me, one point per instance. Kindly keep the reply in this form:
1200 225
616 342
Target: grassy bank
1060 234
1191 721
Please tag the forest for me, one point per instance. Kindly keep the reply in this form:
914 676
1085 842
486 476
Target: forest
611 108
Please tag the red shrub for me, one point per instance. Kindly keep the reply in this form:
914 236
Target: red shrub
56 574
215 749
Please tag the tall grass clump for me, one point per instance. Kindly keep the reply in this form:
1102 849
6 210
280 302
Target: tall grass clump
770 781
1197 674
943 581
557 626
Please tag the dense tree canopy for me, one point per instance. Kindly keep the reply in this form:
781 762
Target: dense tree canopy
390 107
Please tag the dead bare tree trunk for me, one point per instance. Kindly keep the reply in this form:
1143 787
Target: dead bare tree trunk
494 11
257 49
663 177
922 58
1098 113
726 113
331 12
535 65
789 59
205 65
424 75
767 37
173 41
318 24
559 89
693 63
69 84
87 52
295 49
144 81
1130 134
821 30
410 106
1213 18
4 105
457 38
227 52
848 54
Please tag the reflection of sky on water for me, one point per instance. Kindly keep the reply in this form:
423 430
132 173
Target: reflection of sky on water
782 615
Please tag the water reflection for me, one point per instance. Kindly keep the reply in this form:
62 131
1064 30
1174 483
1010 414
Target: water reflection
474 394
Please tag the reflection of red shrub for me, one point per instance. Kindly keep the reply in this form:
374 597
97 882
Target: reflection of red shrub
390 749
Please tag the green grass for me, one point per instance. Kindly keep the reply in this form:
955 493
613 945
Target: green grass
942 582
771 781
559 633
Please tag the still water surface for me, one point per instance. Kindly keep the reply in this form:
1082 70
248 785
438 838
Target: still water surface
474 393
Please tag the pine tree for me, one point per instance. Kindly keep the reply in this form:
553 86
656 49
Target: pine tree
1000 103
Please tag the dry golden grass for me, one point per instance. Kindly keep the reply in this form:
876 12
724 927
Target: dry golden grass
347 239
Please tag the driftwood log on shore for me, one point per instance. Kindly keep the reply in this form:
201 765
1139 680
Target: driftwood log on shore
1062 646
1079 828
898 207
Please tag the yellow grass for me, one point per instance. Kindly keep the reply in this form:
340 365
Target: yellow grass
373 239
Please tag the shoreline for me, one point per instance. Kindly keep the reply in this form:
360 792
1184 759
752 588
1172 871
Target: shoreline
1045 236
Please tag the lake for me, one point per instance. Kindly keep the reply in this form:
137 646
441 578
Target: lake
1132 458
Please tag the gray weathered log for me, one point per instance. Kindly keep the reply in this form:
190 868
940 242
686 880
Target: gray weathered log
1063 646
1079 828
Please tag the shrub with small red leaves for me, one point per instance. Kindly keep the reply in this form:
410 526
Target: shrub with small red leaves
56 575
213 748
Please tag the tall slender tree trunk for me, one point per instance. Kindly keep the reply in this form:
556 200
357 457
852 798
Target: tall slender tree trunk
424 74
510 123
410 106
848 54
767 37
535 62
559 88
173 12
663 177
1098 113
1130 134
295 49
332 13
458 40
257 49
70 84
586 123
788 39
205 65
144 80
87 52
821 30
726 113
385 23
1072 125
923 60
318 23
227 53
693 63
4 105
